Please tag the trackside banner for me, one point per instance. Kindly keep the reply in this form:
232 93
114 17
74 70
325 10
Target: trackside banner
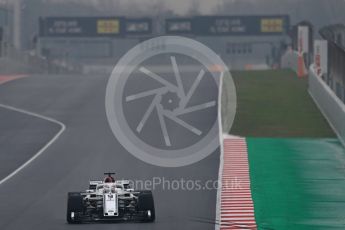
321 57
303 40
93 26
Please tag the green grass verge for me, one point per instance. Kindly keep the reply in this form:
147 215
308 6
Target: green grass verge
276 103
297 184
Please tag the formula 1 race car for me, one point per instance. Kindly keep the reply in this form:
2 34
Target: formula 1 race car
110 200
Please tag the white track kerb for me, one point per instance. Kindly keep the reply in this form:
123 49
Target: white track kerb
63 127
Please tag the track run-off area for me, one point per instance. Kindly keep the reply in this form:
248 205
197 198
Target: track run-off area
295 162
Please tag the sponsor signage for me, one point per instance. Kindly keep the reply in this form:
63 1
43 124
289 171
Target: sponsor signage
303 39
80 26
241 25
140 26
200 26
321 57
179 26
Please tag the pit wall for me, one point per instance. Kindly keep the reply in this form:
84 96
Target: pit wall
329 104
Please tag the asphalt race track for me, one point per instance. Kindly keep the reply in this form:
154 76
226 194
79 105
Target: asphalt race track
15 128
35 198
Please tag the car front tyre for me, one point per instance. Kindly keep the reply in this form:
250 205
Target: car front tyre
74 207
146 204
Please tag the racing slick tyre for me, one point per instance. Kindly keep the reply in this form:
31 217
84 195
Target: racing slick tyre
146 205
75 207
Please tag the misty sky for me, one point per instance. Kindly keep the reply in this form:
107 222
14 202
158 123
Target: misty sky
320 12
178 6
181 6
300 8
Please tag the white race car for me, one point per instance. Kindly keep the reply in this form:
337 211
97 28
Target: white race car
109 200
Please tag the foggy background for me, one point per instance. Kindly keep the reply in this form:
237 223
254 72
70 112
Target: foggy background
315 10
318 12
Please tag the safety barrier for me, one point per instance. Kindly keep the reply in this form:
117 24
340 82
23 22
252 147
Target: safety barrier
329 104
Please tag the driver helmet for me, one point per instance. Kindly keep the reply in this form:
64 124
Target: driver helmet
109 179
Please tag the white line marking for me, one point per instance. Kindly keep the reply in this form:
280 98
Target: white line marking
63 128
221 160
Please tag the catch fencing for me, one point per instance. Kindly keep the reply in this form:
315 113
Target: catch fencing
328 89
335 78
